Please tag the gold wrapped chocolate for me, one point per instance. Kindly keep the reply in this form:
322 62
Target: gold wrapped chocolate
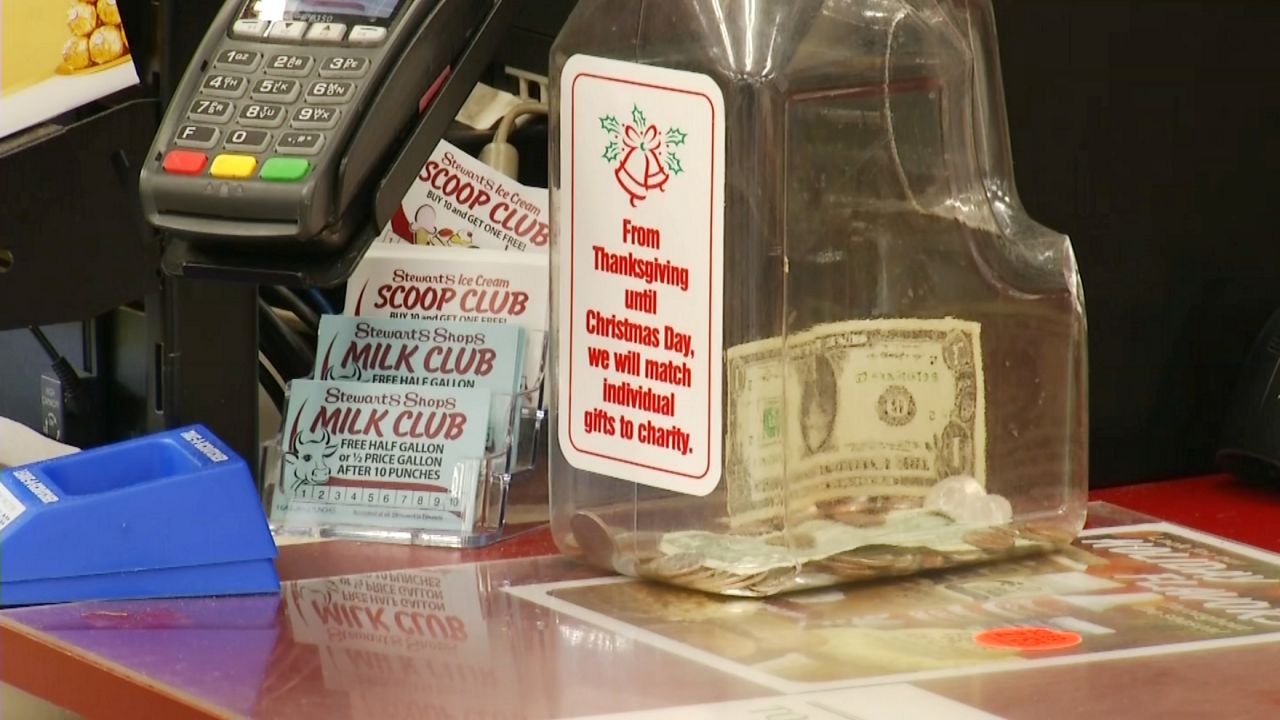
106 44
82 18
108 12
76 53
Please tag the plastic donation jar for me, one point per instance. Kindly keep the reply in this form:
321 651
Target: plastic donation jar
803 332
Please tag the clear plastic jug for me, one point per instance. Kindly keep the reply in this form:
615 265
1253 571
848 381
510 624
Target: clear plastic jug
803 331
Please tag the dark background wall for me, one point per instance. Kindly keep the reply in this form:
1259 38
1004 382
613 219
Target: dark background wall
1148 131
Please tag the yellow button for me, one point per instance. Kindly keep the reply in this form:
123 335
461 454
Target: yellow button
233 167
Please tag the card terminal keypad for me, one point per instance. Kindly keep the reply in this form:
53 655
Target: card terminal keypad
277 103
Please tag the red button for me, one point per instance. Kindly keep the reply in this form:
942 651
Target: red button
185 162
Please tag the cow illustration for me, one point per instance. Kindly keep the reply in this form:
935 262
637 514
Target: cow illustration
307 459
350 373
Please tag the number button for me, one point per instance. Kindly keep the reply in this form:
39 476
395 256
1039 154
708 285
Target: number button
228 86
300 143
196 136
264 116
330 93
315 118
288 30
289 65
215 111
275 90
344 67
326 32
250 28
248 140
239 60
367 35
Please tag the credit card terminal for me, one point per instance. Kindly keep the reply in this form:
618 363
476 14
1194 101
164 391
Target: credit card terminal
288 114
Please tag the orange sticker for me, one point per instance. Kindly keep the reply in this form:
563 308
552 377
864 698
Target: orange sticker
1028 638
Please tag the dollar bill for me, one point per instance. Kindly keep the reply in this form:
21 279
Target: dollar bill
849 410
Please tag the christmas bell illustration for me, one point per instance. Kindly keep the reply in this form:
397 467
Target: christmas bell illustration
641 170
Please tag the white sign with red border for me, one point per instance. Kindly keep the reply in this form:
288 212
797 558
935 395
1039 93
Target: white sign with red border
640 288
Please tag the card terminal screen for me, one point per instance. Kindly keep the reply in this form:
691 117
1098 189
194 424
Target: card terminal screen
319 10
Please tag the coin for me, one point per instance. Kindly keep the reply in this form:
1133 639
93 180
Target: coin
906 563
992 540
721 582
594 537
934 560
775 581
874 556
1049 531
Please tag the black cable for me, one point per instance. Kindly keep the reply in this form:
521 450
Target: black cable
321 303
289 300
290 354
43 339
72 396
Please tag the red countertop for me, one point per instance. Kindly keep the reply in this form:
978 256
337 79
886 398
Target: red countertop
1219 504
75 675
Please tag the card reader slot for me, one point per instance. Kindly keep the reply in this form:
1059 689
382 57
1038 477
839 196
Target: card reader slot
198 225
437 44
431 126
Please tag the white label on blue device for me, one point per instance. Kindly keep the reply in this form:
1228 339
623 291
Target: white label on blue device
10 507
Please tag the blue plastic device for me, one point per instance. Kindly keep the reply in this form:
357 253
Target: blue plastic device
174 514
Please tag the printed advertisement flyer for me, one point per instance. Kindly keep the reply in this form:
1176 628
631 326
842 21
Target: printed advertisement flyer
448 285
458 201
424 353
1118 592
381 455
57 56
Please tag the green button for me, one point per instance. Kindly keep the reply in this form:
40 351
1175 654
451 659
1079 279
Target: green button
281 169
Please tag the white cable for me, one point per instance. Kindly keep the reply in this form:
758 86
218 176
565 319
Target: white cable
500 154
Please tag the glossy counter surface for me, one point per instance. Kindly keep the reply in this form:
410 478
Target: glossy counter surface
516 632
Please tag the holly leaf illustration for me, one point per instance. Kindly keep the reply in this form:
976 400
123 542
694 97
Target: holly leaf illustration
610 124
611 152
637 117
674 166
676 137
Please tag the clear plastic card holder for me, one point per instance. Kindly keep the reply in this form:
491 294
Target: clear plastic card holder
530 410
466 507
